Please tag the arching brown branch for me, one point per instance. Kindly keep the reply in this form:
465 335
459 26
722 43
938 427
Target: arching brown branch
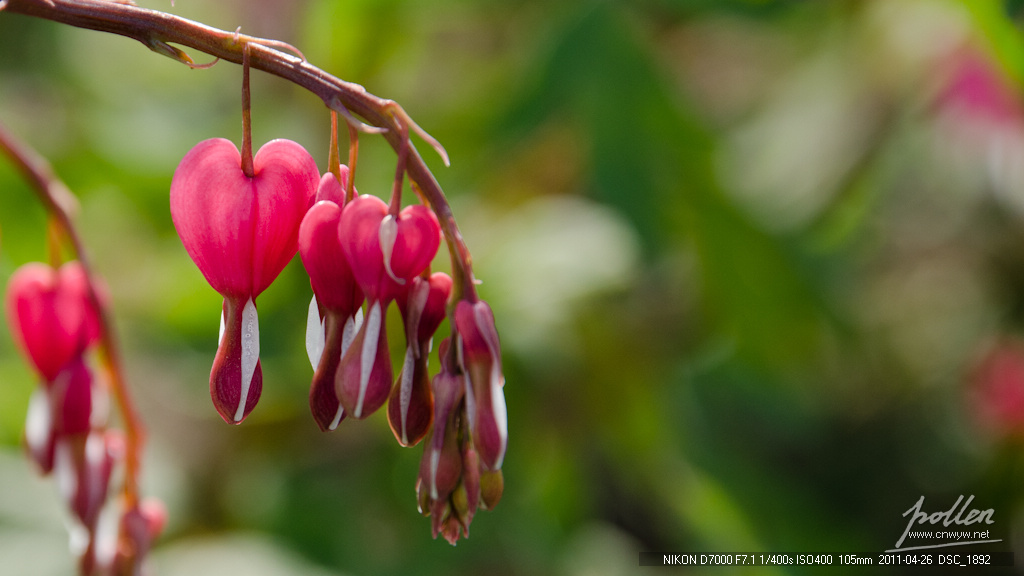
162 33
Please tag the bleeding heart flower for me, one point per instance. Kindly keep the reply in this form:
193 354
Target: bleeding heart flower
61 409
480 356
82 467
139 528
50 315
441 467
329 331
385 253
410 406
241 232
330 275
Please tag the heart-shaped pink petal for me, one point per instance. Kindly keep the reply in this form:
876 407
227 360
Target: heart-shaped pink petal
329 273
241 231
424 306
332 189
50 314
419 237
358 234
385 252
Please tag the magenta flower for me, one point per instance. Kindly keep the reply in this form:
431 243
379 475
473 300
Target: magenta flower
386 253
334 312
410 406
54 322
441 466
140 527
241 232
480 356
50 315
452 482
83 466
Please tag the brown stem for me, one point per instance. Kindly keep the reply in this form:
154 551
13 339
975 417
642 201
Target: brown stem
158 30
333 159
247 167
396 189
353 156
59 202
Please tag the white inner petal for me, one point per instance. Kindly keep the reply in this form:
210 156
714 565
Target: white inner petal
470 404
95 448
337 417
315 337
388 234
352 326
435 459
405 392
95 452
100 410
501 419
497 383
220 333
369 353
250 354
64 469
39 421
486 328
106 532
78 536
417 303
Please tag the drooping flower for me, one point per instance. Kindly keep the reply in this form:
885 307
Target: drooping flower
54 322
139 528
241 231
385 252
334 312
452 482
480 356
410 406
50 314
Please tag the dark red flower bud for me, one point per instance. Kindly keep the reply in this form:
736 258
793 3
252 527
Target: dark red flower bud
410 407
364 374
71 399
82 465
140 526
480 355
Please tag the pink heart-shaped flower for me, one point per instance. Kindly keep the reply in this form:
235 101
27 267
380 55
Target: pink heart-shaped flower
329 273
241 231
410 406
51 315
424 306
386 253
332 189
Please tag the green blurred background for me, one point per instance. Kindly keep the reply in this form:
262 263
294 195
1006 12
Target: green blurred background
758 270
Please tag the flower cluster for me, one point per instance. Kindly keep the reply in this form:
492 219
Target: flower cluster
55 322
361 254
